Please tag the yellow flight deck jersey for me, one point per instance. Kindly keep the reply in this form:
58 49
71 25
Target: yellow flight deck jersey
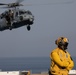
61 62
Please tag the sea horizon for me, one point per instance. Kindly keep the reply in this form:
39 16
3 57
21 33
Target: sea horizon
34 64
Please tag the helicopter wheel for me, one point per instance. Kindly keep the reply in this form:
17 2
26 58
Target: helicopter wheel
10 28
28 27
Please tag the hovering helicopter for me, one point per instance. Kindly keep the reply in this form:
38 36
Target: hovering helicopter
15 17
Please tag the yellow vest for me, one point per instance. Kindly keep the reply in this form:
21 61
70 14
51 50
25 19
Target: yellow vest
61 62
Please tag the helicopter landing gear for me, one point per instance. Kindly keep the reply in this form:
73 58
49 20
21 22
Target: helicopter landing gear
10 28
9 25
28 27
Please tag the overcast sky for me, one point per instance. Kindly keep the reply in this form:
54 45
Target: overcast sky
56 19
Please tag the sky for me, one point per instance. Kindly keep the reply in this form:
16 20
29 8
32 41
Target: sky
53 19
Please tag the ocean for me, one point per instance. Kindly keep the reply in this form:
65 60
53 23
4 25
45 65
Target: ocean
34 64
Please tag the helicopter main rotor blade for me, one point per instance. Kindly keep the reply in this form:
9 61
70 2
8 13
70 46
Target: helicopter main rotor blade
54 3
19 1
3 4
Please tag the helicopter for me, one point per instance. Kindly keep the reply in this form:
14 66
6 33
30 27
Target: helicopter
15 17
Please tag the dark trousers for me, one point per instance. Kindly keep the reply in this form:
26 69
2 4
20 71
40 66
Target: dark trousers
50 73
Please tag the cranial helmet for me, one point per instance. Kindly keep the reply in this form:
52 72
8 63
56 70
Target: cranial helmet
62 42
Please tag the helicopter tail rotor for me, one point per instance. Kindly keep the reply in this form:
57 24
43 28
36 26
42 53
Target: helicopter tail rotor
19 1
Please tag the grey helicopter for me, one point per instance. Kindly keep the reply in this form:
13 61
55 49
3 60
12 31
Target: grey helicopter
15 17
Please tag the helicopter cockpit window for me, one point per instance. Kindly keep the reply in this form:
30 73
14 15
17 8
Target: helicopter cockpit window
4 14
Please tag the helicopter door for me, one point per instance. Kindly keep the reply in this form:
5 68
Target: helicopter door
16 14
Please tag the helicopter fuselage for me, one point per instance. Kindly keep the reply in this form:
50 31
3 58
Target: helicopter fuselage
20 18
4 26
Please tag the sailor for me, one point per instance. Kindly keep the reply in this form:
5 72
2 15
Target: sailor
61 60
11 14
9 18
